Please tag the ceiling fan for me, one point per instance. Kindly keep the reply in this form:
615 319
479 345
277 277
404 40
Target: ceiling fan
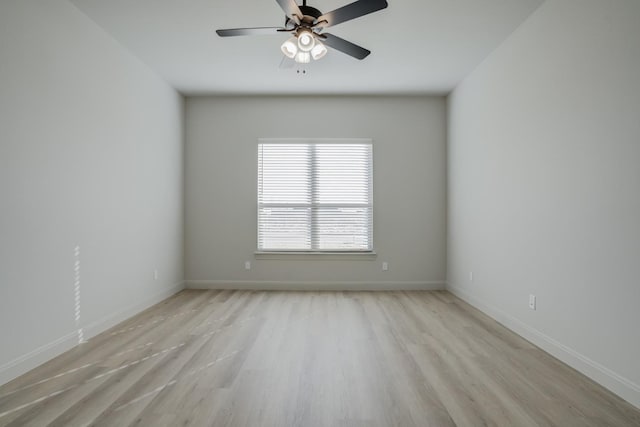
307 24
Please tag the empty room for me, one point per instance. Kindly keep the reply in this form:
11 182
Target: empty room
320 213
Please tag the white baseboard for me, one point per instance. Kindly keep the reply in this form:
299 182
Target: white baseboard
46 352
315 285
37 357
101 325
623 387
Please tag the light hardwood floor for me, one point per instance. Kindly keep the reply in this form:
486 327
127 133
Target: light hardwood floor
242 358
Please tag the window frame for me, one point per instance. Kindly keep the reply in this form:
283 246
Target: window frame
351 253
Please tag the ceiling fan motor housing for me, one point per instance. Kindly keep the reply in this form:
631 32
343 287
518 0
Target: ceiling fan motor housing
310 15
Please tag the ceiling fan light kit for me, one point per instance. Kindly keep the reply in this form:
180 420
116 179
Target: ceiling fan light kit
307 24
303 47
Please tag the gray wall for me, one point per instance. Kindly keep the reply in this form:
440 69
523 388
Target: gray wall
544 186
90 155
409 189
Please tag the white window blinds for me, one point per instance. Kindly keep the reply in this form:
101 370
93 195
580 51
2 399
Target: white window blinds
315 195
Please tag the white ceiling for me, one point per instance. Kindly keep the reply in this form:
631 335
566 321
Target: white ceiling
418 46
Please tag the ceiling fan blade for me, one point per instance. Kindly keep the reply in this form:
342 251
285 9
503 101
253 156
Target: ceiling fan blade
345 46
291 8
257 31
351 11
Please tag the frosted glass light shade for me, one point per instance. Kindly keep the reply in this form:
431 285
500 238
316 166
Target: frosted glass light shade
290 48
303 57
318 51
306 41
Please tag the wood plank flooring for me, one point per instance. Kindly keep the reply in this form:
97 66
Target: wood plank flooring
345 359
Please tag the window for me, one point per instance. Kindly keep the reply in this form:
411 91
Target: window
315 195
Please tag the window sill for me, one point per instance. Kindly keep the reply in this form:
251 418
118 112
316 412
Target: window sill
324 256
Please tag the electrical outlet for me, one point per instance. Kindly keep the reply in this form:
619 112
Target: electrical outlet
471 276
247 265
385 266
155 274
532 302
